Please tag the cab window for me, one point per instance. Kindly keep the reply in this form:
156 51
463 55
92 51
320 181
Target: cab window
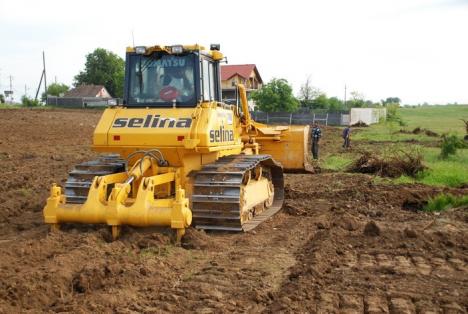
207 80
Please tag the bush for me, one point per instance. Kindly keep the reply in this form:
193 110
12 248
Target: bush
445 201
449 145
393 115
29 102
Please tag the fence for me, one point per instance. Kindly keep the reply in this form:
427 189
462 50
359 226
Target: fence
81 102
301 118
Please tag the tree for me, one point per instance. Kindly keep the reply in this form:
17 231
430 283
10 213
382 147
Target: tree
320 102
391 100
335 104
276 96
103 68
356 101
2 99
55 89
307 93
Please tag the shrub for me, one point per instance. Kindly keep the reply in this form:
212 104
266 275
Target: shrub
449 145
29 102
393 115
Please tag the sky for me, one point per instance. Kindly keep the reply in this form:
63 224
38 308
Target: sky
416 50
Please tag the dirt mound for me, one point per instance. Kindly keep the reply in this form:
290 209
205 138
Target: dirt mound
396 166
419 130
197 240
372 229
360 124
428 132
143 238
294 210
414 202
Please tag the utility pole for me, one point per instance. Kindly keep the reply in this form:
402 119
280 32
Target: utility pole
25 90
345 95
45 77
11 89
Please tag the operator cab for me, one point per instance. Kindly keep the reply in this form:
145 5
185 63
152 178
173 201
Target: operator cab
168 76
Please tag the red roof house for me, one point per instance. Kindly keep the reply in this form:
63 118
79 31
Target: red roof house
246 74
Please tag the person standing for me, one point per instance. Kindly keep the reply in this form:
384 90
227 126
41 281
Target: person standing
316 135
346 136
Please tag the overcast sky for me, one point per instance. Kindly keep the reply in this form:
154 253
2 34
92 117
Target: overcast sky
413 49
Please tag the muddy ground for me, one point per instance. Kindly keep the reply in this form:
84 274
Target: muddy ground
342 244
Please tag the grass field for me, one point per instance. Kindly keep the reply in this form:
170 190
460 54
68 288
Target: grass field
440 119
385 138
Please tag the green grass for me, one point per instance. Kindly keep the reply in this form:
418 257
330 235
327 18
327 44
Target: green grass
389 132
337 162
452 171
440 119
8 106
445 201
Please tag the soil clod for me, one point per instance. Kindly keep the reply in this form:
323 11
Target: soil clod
372 229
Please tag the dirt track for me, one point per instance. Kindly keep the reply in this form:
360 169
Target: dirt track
341 244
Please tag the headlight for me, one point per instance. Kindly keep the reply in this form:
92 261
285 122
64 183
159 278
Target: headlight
177 49
215 47
140 50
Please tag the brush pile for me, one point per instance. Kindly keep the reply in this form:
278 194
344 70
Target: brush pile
394 167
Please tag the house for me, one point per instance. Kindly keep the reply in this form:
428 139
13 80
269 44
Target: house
83 96
85 91
246 74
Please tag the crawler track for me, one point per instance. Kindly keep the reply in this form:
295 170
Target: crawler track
217 196
80 178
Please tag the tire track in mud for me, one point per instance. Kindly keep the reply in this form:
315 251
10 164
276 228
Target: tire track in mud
242 278
347 273
366 283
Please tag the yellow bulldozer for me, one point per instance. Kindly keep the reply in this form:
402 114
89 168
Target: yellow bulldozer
176 155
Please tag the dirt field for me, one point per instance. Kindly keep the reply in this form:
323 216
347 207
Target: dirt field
342 244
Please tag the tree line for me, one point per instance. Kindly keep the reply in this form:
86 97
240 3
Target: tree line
103 67
277 96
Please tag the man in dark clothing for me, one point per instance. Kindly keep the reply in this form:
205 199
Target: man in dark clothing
316 135
346 136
